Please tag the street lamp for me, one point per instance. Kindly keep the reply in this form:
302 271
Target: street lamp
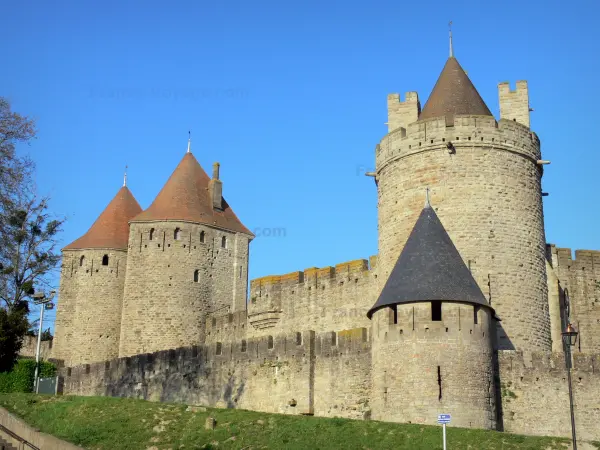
39 298
569 340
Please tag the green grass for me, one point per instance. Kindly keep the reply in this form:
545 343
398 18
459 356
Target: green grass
118 423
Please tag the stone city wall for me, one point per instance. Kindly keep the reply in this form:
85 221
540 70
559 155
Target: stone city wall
535 396
295 373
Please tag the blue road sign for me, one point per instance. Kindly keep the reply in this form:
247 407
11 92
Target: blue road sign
444 418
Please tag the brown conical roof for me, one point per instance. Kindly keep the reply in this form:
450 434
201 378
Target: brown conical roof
111 229
185 197
454 93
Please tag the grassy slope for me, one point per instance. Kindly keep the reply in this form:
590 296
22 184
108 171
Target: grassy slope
114 423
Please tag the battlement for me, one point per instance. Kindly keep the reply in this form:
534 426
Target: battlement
232 326
402 113
439 133
339 272
584 259
537 362
514 104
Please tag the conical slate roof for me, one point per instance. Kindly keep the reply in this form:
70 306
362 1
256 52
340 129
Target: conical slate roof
111 229
185 197
454 93
429 268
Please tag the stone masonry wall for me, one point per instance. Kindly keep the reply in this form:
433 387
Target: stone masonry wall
422 367
320 299
174 282
486 190
535 396
30 346
514 105
580 279
88 316
289 373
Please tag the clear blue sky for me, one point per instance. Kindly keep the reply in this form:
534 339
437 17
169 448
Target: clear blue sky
290 98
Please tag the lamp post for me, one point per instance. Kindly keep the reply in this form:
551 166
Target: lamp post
40 298
569 340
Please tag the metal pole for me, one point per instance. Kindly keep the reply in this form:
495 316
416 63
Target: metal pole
444 432
568 355
37 352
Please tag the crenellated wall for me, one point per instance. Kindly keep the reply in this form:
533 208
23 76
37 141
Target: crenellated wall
293 373
579 279
319 299
535 396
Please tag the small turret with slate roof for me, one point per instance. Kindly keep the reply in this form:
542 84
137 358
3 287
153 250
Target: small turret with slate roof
431 326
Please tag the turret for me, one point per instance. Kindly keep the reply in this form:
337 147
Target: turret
88 318
433 336
188 259
486 177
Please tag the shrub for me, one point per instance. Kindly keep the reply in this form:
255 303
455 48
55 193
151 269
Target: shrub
20 379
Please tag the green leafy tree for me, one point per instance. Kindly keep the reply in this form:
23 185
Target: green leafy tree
28 234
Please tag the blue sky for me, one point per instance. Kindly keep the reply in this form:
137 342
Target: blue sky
290 98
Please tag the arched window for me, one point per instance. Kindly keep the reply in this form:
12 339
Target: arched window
81 261
202 237
151 233
177 234
196 275
224 242
105 260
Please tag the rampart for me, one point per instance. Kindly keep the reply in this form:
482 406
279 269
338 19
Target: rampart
580 281
293 373
30 346
535 396
317 299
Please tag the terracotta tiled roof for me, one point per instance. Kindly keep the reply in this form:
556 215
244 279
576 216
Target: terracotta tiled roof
185 197
429 268
111 229
454 93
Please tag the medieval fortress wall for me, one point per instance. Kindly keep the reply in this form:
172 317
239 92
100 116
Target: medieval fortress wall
170 318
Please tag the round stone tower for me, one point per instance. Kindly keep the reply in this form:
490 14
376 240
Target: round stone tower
486 178
433 336
88 319
187 260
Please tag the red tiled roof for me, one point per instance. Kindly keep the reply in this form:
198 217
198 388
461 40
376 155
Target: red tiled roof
185 197
454 93
111 229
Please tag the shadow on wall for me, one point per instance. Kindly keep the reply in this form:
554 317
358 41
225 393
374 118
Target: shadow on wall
503 341
230 399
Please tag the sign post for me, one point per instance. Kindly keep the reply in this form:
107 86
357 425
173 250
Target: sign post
444 419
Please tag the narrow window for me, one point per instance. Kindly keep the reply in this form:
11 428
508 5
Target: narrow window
151 233
224 242
298 338
393 314
105 260
196 275
436 310
270 342
219 349
240 272
244 346
333 338
439 380
81 261
202 237
475 314
177 234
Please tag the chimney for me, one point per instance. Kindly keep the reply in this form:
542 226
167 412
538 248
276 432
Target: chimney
215 188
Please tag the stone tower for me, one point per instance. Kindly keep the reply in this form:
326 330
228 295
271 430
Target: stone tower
485 175
88 320
433 336
188 258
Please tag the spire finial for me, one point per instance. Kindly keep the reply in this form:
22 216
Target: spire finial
427 204
450 31
189 141
125 177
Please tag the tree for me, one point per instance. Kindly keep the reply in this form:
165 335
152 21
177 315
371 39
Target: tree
28 234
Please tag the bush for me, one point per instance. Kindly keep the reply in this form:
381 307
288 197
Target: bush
20 379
